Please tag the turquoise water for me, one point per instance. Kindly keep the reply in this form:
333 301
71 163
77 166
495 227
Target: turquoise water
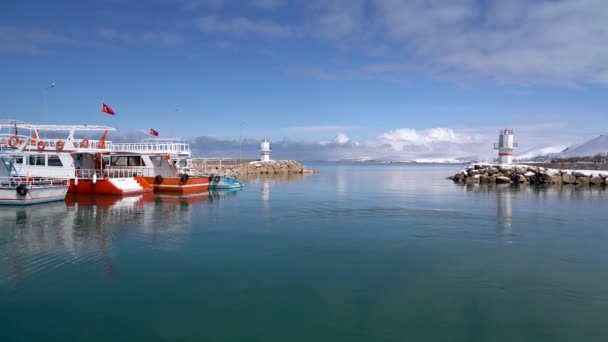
355 253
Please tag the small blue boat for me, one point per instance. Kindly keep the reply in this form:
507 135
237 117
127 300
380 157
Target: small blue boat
217 182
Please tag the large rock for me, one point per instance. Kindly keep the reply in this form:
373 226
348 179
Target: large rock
578 174
519 178
568 178
554 179
459 177
485 179
582 180
492 171
596 181
472 180
503 180
521 170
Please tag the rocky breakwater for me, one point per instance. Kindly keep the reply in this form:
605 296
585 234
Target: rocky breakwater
274 167
526 174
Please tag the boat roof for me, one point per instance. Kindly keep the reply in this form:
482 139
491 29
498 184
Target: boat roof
85 127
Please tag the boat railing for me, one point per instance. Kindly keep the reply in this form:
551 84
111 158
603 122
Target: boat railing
108 173
143 171
34 181
172 148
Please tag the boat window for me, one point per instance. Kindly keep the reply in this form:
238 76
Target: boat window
37 159
119 161
126 161
135 161
18 160
156 160
54 160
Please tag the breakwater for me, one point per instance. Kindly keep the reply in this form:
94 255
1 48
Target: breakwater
274 167
526 174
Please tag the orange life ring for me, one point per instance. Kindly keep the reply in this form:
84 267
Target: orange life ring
12 141
59 145
84 143
41 145
167 157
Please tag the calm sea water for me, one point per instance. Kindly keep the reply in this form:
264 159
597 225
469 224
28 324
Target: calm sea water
355 253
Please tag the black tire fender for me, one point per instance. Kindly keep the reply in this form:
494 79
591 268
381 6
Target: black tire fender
21 190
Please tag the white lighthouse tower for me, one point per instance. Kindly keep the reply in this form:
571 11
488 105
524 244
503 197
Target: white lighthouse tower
265 150
506 145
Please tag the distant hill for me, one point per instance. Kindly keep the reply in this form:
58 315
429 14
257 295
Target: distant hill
592 147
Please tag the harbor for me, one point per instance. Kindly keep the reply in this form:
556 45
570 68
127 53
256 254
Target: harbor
306 171
99 166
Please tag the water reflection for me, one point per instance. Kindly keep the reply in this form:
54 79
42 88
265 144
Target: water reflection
505 193
83 228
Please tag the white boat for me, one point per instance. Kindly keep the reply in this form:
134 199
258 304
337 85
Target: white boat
17 190
66 156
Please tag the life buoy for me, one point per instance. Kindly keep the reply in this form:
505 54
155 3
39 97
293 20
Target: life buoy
21 190
41 145
184 178
84 143
12 141
217 178
167 156
59 145
158 179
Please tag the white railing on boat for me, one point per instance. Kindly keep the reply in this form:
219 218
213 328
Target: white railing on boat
51 143
34 181
108 173
172 148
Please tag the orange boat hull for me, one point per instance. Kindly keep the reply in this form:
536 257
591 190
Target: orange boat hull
192 185
106 187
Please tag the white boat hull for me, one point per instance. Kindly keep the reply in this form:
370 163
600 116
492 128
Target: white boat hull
43 194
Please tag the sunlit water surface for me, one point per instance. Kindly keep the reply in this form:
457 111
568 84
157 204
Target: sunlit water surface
355 253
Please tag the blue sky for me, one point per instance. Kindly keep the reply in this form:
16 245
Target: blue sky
410 75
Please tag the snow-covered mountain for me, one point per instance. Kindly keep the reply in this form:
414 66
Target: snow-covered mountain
589 148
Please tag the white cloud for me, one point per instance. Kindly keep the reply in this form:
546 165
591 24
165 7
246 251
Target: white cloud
403 137
242 26
341 139
139 37
542 41
337 19
30 40
516 41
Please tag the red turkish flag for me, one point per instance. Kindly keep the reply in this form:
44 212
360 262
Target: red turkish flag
153 132
106 109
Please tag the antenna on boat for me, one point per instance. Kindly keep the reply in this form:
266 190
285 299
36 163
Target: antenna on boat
46 115
241 143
